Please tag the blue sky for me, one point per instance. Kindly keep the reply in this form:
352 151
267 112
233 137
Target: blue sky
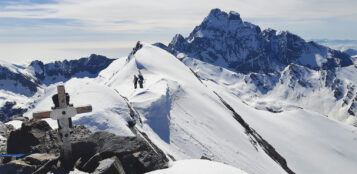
58 29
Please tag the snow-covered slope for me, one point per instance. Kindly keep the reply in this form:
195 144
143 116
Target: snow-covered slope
305 138
20 85
189 117
110 110
331 92
198 166
180 114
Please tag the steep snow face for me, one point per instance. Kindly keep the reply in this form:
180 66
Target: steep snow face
110 110
225 40
306 139
181 114
198 166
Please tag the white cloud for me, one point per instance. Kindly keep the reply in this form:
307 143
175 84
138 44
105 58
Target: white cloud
151 14
151 20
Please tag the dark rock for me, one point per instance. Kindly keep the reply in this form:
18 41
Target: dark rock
9 109
17 166
110 166
40 159
135 153
3 138
206 158
26 139
50 165
18 117
34 164
101 152
36 136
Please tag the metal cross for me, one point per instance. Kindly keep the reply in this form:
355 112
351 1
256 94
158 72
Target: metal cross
62 112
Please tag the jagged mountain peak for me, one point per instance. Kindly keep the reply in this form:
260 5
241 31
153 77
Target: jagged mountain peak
218 22
218 15
224 39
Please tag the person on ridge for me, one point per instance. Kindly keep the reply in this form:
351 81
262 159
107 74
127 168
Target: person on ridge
135 81
141 79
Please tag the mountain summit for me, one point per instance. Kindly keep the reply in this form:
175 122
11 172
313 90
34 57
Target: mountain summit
226 40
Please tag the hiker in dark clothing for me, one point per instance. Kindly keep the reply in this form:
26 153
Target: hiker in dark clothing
141 79
135 81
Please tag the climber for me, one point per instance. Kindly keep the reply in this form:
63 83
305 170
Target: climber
135 81
141 79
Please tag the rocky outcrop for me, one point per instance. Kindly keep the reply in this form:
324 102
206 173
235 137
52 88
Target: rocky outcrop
134 153
10 109
33 137
100 152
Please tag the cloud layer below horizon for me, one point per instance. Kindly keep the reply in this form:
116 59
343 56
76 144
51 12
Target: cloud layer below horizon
58 29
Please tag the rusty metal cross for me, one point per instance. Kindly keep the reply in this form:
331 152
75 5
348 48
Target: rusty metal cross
62 112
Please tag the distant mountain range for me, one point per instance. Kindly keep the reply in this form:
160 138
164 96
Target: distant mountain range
342 45
18 81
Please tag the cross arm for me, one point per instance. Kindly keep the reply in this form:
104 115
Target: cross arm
47 114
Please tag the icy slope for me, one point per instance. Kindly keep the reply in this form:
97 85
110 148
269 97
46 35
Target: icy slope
181 115
307 139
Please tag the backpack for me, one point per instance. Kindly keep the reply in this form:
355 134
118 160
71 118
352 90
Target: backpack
141 78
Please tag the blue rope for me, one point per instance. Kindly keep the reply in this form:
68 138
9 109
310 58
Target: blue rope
12 155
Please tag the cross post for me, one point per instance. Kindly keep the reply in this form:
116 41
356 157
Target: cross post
62 112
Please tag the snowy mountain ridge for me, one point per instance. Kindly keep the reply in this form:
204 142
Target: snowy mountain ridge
189 117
